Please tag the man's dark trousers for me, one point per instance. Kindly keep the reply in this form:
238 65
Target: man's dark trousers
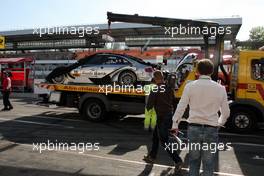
161 134
6 101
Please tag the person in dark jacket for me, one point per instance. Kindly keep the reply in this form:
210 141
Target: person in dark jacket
6 91
162 99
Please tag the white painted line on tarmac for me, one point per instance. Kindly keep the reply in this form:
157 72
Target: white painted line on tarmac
238 135
236 143
77 120
258 158
128 161
37 123
57 118
247 144
233 134
54 118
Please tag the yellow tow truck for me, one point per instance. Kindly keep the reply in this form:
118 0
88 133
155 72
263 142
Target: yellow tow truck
245 82
245 89
245 85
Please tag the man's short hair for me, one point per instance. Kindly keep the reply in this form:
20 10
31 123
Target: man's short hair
205 67
158 75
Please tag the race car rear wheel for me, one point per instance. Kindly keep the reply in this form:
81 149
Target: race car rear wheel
59 79
127 78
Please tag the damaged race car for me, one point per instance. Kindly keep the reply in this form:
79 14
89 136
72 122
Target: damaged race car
104 68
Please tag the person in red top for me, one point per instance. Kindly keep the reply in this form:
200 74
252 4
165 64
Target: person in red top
6 91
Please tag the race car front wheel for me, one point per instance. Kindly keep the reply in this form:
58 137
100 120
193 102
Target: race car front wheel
127 78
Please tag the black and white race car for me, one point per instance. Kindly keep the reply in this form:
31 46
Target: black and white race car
104 68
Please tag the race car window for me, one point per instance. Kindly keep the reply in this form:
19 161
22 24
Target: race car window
136 59
115 60
96 60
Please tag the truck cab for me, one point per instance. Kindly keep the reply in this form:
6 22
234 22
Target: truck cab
247 91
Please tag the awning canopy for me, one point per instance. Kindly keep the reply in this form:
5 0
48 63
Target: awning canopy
132 32
15 60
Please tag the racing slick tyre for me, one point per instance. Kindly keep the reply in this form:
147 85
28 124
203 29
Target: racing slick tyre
59 79
94 110
127 78
242 120
58 75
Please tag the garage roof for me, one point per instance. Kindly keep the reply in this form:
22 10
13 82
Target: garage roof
121 32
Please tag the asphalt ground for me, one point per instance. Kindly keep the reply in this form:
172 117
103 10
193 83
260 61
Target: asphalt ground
113 147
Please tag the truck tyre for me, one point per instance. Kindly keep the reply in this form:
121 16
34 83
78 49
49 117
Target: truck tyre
127 78
242 119
94 110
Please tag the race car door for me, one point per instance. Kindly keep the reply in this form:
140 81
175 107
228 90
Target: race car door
89 69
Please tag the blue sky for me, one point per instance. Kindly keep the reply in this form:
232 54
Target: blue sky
21 14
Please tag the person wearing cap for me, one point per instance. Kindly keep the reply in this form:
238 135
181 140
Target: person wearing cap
205 99
6 91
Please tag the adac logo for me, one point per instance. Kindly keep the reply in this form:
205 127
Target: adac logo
2 42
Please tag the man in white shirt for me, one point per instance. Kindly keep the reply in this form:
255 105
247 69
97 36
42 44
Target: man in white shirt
205 98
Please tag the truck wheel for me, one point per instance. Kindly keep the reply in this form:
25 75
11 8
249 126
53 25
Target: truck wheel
94 110
127 78
242 119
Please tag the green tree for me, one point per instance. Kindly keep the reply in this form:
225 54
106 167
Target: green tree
256 34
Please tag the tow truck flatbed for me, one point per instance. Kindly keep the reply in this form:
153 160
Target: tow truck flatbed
96 102
91 88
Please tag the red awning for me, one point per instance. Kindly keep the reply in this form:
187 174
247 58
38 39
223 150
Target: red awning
15 60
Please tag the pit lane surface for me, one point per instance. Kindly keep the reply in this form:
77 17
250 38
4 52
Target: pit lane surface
122 145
